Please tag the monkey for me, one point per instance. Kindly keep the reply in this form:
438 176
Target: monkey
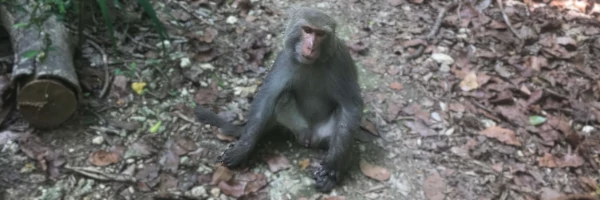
312 90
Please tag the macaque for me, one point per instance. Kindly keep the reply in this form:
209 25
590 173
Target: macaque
312 90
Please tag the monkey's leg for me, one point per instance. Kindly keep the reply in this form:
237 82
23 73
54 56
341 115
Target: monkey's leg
338 157
288 115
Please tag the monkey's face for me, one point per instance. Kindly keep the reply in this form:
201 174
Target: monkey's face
309 48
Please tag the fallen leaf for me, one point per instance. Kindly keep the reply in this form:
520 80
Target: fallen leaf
469 82
243 184
209 35
335 198
167 182
221 174
549 194
103 158
140 148
304 163
118 91
395 2
148 175
374 171
155 127
417 1
501 134
277 162
536 120
419 127
138 87
232 188
169 161
547 161
396 86
570 160
414 42
183 145
206 95
434 187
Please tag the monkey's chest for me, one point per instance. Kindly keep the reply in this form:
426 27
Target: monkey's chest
315 108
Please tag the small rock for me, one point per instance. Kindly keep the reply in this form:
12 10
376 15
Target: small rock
587 129
98 140
215 192
436 116
444 68
372 195
185 62
199 192
442 58
207 66
231 20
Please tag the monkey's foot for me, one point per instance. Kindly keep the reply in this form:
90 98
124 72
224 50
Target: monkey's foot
233 156
326 179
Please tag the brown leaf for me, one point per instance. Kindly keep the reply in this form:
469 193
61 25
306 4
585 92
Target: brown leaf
506 136
369 127
119 90
184 144
140 148
207 95
209 35
277 162
570 160
414 42
419 127
304 163
457 107
417 1
359 47
434 187
396 86
469 82
103 158
374 171
232 188
395 2
167 182
549 194
169 161
148 176
221 174
393 110
547 160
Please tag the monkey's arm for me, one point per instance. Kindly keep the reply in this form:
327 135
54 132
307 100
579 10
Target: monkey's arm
261 112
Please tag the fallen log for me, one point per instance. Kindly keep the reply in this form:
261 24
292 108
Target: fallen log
48 89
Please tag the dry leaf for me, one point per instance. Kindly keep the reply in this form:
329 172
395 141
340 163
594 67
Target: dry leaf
304 163
396 86
469 82
103 158
547 161
221 174
503 135
374 171
434 187
419 127
277 162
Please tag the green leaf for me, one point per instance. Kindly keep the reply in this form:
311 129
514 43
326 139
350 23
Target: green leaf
155 128
106 15
150 11
31 53
19 25
536 120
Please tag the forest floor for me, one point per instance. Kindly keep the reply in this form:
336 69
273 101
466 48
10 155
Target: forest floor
500 104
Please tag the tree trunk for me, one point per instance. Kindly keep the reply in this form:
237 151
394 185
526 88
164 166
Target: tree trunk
48 90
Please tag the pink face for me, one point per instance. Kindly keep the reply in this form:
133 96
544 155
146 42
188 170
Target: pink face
311 42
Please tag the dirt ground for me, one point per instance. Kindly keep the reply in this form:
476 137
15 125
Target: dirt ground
492 107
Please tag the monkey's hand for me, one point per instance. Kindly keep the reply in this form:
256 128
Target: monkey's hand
326 179
234 155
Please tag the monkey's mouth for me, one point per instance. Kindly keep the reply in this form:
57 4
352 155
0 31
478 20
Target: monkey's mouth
310 57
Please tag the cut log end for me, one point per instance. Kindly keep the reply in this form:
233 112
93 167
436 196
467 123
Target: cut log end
46 103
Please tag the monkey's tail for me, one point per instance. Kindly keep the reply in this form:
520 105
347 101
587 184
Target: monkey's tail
209 117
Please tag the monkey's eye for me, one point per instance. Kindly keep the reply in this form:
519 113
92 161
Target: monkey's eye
307 29
320 33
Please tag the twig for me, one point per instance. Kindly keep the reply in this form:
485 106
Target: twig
106 75
434 29
183 117
506 20
99 175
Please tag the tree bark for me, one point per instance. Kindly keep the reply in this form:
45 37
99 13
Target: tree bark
48 91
